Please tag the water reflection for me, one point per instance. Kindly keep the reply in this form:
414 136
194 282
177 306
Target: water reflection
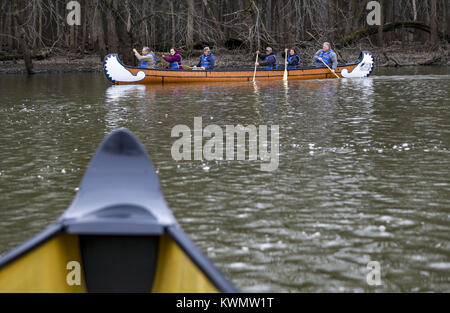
363 175
115 93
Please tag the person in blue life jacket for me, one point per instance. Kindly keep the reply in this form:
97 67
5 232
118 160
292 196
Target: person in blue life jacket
269 60
326 55
175 60
207 60
147 59
293 59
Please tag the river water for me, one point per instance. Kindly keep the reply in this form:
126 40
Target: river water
363 174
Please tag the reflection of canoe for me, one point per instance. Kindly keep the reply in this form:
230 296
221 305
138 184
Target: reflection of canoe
119 230
119 73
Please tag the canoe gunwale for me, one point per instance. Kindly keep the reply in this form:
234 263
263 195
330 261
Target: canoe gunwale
175 232
236 70
203 263
34 242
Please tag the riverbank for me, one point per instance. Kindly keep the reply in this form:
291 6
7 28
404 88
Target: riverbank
394 55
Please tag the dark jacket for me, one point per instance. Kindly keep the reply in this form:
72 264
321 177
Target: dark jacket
210 60
295 61
265 60
176 57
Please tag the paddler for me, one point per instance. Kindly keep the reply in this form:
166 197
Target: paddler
268 60
293 59
175 60
207 60
326 55
147 59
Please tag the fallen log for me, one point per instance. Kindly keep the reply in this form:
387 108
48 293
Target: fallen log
373 30
436 59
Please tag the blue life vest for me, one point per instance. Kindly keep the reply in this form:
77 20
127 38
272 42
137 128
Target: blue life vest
290 59
205 60
174 65
272 66
325 57
143 64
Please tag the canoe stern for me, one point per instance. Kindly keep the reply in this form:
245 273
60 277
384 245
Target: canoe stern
363 69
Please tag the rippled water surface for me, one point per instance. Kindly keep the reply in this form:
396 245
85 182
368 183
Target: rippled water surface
364 172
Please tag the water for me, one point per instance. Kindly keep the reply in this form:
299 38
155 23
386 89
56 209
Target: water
363 172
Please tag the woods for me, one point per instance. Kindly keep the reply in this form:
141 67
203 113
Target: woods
29 26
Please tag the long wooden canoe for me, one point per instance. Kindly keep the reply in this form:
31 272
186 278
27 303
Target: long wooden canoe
118 233
118 73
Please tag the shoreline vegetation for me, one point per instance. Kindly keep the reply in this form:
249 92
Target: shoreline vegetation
396 55
59 36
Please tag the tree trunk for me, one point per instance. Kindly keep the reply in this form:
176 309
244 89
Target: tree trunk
190 25
331 19
2 30
39 44
85 22
380 28
269 16
113 42
172 20
445 24
426 18
390 18
23 39
100 33
414 10
434 23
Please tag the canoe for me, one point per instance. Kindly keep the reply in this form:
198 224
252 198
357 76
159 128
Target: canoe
118 73
118 235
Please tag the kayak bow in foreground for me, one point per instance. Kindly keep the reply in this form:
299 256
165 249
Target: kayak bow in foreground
119 231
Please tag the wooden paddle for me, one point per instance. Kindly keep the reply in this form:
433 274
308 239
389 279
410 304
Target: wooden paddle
330 69
256 64
193 68
285 65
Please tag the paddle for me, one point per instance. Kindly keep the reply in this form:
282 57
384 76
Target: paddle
285 64
330 69
193 68
256 64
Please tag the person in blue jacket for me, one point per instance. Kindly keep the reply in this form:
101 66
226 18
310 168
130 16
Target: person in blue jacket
293 59
207 60
326 55
269 60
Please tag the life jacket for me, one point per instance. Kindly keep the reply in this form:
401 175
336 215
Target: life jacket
143 64
174 65
205 60
290 59
325 57
272 66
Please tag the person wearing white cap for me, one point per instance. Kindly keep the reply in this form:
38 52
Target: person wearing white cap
207 60
269 60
